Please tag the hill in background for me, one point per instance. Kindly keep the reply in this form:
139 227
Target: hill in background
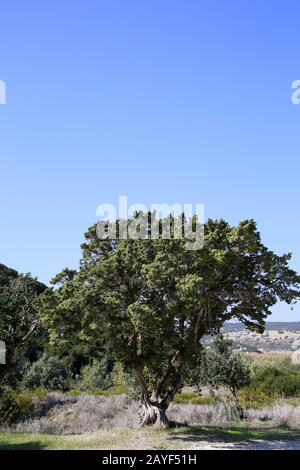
278 337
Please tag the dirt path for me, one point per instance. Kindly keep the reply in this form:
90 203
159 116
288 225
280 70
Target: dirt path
292 444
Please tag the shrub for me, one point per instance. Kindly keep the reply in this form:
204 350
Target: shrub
221 366
112 391
16 405
191 398
49 372
124 380
115 390
9 409
278 380
95 375
256 399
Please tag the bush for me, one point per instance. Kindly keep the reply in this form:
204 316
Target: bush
48 372
191 398
124 380
16 405
109 392
282 380
95 375
256 399
9 409
221 366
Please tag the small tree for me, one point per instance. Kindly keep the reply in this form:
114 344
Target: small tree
96 374
152 301
221 366
19 318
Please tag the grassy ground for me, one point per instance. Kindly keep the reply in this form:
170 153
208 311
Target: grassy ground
179 438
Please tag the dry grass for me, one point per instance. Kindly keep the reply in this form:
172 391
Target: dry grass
221 412
278 415
64 414
60 421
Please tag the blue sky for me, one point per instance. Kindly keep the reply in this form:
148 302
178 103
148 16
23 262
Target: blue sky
173 101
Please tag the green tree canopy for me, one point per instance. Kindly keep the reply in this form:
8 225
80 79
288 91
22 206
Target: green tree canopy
19 318
6 275
152 301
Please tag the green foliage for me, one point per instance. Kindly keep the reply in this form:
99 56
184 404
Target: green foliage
9 409
273 376
123 379
150 301
109 392
120 389
222 366
95 375
19 317
6 275
17 404
251 398
49 372
25 397
281 380
192 398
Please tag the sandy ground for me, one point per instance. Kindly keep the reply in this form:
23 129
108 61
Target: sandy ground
293 444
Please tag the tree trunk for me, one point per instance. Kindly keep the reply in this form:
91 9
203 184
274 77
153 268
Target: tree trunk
239 408
153 413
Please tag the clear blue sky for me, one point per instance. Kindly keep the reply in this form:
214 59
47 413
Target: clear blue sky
163 101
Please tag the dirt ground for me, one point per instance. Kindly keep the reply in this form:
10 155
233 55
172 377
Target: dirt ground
183 438
291 444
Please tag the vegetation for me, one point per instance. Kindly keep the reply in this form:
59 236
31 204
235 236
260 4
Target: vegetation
6 275
221 366
279 379
48 372
183 437
19 317
132 323
95 375
151 301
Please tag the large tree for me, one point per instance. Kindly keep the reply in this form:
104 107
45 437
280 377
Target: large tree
19 318
153 300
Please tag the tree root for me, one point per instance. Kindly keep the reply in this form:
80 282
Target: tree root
153 414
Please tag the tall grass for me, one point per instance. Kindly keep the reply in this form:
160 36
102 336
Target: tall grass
76 414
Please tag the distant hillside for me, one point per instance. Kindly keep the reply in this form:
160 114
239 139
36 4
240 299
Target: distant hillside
270 326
